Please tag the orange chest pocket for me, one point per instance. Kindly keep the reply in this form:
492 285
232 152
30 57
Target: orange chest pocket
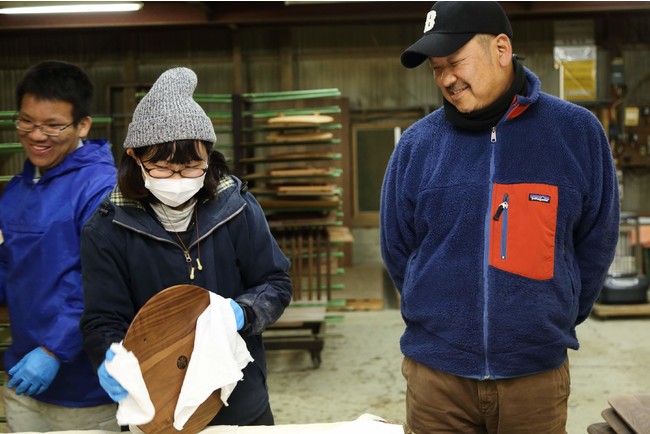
522 229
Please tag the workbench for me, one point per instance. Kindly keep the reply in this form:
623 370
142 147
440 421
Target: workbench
364 424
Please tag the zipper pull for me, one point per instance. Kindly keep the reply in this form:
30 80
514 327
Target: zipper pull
502 206
188 258
493 136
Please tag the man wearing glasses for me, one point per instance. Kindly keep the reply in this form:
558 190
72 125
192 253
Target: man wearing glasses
51 385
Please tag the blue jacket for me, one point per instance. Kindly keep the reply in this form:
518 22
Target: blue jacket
128 257
40 269
499 241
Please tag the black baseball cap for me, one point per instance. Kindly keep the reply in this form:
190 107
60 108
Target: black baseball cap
451 24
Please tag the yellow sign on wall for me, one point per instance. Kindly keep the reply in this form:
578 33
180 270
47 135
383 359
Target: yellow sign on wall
577 72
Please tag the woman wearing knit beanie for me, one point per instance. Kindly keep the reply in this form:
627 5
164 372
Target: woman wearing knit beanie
178 217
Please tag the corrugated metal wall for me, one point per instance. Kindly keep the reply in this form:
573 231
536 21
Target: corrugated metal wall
360 60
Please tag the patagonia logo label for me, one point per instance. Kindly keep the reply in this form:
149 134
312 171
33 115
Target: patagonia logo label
539 198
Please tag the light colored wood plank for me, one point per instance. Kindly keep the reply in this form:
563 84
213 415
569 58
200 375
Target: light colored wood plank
615 422
634 410
308 120
600 428
298 314
299 204
316 136
619 310
293 156
307 190
340 234
301 171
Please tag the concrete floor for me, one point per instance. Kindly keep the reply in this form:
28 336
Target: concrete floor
360 369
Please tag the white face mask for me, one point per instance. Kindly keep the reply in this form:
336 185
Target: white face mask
173 192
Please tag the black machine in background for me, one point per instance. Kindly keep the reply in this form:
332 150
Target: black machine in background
625 283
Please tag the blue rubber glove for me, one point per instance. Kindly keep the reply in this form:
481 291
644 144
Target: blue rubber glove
110 384
34 373
239 314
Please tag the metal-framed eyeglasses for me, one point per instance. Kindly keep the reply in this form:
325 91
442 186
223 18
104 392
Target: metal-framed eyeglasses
51 130
165 172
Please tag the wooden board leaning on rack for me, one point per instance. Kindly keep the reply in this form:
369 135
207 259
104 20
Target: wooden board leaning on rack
329 202
300 120
293 156
311 133
302 219
300 137
297 190
297 172
302 171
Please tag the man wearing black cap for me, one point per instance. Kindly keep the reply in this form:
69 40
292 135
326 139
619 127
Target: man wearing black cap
499 220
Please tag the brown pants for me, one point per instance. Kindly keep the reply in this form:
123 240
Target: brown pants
441 403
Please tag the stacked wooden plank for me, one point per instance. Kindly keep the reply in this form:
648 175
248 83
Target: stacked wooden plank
290 155
628 414
298 172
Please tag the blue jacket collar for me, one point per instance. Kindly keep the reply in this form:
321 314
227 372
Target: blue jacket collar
92 152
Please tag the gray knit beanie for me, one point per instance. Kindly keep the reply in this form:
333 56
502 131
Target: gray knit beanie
168 112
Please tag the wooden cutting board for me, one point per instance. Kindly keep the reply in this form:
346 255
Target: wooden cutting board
162 338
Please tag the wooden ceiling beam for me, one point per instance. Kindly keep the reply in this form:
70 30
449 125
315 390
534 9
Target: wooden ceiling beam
273 13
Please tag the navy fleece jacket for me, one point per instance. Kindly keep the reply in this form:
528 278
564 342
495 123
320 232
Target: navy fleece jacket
499 241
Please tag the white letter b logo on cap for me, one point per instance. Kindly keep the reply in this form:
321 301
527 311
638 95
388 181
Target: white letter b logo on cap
431 20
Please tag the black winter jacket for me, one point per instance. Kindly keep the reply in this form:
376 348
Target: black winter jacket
128 257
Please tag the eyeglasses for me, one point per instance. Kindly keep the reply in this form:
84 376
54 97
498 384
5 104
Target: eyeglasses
185 172
52 130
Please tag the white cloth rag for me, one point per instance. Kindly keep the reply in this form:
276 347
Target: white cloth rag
136 408
218 357
217 360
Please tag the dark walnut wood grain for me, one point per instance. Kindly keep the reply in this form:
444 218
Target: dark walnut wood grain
162 338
